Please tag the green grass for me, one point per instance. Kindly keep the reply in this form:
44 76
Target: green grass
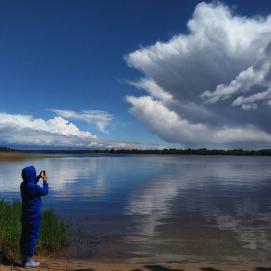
55 233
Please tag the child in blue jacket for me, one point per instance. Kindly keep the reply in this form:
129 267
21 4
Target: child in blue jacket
31 194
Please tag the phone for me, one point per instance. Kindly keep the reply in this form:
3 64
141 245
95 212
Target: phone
43 173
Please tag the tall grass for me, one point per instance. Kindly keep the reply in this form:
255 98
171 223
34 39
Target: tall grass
55 234
10 229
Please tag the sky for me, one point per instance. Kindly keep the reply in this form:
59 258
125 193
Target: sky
135 74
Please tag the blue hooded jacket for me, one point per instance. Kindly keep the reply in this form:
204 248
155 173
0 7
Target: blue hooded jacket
31 192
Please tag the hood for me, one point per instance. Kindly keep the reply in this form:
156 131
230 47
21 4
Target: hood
29 174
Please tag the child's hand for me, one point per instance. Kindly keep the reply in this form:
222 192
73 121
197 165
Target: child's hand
43 175
45 178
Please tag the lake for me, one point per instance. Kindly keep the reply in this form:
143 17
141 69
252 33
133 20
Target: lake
165 208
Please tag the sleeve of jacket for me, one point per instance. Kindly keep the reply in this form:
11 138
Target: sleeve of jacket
37 179
36 190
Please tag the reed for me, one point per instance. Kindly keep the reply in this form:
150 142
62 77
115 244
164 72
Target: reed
55 233
11 156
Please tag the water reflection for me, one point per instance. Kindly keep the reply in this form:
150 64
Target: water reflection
162 208
230 195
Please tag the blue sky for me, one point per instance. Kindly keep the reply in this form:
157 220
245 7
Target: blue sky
74 55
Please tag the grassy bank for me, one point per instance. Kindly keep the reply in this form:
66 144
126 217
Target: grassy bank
18 156
54 236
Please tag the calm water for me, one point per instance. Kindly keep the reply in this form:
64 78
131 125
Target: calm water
165 208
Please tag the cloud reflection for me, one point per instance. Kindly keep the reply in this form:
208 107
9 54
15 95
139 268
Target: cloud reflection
230 194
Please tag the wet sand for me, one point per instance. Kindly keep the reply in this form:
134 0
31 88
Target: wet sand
73 265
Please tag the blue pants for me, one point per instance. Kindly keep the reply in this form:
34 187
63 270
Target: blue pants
29 235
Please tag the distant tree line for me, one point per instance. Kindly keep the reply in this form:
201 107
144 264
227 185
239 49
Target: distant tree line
202 151
5 149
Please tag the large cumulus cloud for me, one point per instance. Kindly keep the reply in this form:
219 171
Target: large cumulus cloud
210 86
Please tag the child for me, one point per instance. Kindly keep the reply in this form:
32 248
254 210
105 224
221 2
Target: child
31 213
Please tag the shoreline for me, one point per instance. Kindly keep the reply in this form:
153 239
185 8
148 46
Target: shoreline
21 156
88 265
165 151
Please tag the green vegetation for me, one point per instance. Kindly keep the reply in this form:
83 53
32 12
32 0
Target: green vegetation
10 229
15 156
55 233
6 152
5 149
18 155
202 151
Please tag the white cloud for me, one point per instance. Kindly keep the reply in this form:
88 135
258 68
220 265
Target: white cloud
152 88
242 83
206 74
250 100
100 117
24 130
248 107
